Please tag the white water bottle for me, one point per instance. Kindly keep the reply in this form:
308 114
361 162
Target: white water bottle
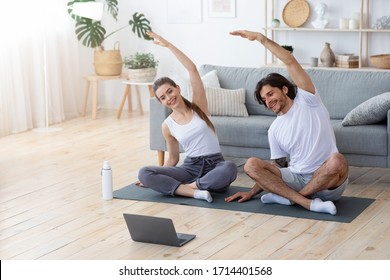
107 181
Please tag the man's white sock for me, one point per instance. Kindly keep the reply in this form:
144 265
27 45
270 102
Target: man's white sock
317 205
201 194
274 198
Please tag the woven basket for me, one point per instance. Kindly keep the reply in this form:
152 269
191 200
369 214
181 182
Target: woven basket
381 61
296 13
108 63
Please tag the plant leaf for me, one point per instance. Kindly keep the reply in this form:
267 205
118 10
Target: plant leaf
112 8
90 33
140 25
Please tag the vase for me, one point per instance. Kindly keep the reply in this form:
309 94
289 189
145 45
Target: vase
327 56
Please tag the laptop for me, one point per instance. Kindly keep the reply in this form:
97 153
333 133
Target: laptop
155 230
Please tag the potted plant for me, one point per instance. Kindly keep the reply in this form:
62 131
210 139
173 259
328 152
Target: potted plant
141 67
288 48
92 34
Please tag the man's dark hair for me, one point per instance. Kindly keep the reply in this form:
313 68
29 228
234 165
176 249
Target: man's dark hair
278 81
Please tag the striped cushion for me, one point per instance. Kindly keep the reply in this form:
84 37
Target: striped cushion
226 102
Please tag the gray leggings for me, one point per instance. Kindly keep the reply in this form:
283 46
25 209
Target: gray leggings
210 172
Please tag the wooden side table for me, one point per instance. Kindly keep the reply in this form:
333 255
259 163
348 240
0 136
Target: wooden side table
95 80
127 95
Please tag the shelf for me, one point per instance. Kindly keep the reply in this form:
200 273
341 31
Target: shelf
362 34
307 66
307 29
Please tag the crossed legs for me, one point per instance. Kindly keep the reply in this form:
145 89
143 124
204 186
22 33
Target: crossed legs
329 176
191 190
173 180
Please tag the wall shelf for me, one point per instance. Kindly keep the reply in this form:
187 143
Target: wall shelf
361 32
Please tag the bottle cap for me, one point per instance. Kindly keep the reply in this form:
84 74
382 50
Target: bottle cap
106 164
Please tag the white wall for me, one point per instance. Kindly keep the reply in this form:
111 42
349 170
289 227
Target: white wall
209 41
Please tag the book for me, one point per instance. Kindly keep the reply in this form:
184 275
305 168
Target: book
347 57
346 64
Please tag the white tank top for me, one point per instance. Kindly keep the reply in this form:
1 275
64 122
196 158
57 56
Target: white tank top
196 137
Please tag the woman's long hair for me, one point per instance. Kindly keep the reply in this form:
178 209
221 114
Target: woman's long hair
278 81
165 80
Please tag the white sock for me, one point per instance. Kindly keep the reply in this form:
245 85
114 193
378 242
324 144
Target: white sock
274 198
200 194
317 205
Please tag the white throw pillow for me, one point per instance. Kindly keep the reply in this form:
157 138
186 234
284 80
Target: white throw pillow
210 79
372 111
226 102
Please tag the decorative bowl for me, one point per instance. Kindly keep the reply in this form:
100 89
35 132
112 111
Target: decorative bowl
381 61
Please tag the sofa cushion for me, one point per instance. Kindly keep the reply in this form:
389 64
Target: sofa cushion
226 102
251 131
210 79
372 111
242 77
364 140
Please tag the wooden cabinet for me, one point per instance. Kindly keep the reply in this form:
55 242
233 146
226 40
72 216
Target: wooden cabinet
363 32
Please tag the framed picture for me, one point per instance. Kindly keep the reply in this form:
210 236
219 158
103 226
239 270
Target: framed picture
189 11
222 8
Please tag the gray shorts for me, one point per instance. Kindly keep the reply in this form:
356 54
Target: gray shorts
299 181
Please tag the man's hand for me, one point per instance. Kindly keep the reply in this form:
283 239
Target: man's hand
241 196
250 35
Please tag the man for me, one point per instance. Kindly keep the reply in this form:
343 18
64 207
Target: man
317 173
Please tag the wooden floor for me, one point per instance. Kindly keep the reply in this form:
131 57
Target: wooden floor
51 205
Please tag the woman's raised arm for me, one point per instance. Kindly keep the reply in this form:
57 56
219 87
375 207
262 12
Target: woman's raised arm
198 91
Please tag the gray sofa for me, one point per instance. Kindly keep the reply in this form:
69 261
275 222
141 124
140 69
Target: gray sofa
341 91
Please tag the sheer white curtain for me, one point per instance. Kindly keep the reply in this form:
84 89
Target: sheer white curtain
39 63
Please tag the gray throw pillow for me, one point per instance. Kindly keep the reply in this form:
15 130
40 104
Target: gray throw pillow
372 111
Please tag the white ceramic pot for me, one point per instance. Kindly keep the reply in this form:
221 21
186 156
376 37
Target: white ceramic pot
142 75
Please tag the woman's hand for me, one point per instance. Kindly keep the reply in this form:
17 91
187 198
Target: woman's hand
157 39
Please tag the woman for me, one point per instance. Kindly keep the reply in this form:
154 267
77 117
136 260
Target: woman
204 168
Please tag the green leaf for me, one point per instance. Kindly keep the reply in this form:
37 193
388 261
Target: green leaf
112 8
90 33
140 25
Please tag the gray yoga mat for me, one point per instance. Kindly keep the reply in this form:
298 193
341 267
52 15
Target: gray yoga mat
348 208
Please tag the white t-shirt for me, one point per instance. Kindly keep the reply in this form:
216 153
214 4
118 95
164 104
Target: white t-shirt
304 134
196 137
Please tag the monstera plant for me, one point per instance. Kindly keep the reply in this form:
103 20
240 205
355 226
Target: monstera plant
92 34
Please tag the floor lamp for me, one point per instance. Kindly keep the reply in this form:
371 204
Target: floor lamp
92 10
